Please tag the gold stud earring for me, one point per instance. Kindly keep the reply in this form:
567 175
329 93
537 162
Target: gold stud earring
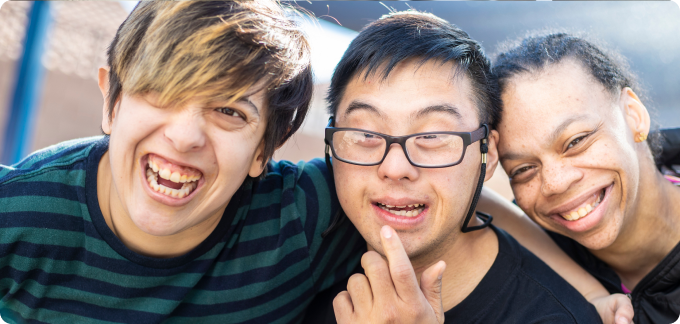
640 137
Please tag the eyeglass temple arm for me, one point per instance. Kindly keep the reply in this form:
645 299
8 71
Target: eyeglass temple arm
477 135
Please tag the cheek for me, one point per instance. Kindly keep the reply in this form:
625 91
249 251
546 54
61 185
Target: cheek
348 184
233 156
525 194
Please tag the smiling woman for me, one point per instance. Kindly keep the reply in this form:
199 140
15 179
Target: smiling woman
573 140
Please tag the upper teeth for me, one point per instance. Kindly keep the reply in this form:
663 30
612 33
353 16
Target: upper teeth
582 211
172 176
418 208
154 171
186 189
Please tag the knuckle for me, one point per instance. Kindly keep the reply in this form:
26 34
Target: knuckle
402 271
356 282
370 257
376 266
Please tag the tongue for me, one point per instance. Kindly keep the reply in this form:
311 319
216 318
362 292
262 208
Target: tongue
169 184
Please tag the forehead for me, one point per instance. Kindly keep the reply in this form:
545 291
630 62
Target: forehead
409 88
535 103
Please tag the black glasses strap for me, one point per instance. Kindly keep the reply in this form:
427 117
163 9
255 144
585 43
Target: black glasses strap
485 217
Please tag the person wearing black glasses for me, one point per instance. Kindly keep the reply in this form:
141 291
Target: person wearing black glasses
410 142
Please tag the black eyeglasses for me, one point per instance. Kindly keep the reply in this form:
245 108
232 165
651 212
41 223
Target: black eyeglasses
424 150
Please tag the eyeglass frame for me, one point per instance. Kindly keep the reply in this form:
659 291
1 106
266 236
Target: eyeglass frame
468 138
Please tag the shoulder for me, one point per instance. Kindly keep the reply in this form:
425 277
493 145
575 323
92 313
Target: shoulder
56 173
542 293
66 155
43 198
301 193
306 185
292 174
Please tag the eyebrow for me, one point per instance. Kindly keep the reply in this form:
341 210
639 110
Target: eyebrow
445 108
552 138
359 105
559 129
247 101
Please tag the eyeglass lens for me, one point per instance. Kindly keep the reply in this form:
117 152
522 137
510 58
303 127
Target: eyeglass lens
427 150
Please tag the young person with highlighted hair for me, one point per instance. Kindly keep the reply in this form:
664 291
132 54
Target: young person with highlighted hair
164 218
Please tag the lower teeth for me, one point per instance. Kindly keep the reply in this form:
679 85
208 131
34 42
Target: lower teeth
410 213
187 187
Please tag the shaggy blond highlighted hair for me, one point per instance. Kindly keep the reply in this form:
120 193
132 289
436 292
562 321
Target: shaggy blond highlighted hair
214 51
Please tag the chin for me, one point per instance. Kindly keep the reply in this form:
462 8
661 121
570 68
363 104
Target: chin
600 239
154 224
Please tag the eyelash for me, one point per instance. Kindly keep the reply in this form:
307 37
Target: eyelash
520 170
578 140
230 112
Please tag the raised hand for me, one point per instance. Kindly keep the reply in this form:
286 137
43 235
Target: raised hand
389 292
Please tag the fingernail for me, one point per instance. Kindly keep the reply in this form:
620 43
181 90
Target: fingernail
441 271
386 231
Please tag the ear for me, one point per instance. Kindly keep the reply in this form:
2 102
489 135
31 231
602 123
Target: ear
492 155
256 166
635 112
103 78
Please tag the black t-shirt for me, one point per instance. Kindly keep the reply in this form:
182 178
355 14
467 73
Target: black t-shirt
656 299
518 288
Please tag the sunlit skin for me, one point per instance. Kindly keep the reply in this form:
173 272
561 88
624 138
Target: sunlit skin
221 140
399 106
564 141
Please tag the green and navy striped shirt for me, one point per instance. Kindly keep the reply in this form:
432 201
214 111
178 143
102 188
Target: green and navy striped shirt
60 262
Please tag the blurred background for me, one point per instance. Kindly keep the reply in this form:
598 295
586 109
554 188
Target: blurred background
49 58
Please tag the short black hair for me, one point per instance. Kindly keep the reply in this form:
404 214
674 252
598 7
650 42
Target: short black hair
540 49
411 34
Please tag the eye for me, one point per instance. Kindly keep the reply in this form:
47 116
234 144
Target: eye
521 170
369 135
230 112
576 141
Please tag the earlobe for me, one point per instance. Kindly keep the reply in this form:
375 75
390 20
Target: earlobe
257 166
635 112
492 155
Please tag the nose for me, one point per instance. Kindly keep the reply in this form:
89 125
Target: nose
558 177
396 166
185 131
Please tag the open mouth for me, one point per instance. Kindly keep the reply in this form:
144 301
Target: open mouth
408 210
584 209
169 179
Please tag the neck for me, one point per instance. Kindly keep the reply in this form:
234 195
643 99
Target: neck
649 233
120 223
468 258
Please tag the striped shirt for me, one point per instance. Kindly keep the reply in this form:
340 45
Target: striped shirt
263 263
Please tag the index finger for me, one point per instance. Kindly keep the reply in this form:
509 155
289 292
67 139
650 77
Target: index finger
401 270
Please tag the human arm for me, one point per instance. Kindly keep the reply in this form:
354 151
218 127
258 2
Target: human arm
614 308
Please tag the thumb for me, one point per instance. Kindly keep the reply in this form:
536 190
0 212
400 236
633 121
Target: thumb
431 286
623 310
